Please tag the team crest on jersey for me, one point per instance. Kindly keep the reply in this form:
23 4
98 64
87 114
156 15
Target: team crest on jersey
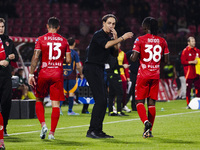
36 41
136 40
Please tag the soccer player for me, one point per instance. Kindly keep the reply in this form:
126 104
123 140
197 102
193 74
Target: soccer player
149 49
52 48
70 75
188 60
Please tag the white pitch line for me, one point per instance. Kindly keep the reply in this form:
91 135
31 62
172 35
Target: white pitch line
71 127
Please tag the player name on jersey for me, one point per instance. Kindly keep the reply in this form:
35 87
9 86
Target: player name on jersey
53 38
153 40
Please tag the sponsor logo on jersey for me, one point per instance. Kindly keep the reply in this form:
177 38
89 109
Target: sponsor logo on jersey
143 66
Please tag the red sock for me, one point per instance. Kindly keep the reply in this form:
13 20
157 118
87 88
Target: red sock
142 112
1 127
54 118
151 114
187 100
39 108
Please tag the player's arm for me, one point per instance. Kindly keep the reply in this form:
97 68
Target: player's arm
134 56
80 69
166 58
68 58
34 62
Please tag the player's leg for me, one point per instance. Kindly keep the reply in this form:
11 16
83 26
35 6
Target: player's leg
56 95
73 87
54 118
151 113
39 109
141 110
154 86
143 116
188 89
141 92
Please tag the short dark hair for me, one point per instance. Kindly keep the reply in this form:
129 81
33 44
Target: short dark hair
71 41
151 24
2 20
105 18
53 22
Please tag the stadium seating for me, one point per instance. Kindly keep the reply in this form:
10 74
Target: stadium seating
26 31
198 29
192 29
19 22
16 31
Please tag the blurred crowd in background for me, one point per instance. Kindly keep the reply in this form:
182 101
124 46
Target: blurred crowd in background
81 18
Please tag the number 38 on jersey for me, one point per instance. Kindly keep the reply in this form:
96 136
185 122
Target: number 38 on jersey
154 52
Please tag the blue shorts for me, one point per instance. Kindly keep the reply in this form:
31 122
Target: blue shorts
70 86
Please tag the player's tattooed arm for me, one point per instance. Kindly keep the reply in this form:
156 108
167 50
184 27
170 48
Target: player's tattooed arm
35 60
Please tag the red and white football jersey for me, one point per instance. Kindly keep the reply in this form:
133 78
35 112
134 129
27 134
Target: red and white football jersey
151 49
54 48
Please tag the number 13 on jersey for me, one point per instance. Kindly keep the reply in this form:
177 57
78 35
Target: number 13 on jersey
155 54
54 47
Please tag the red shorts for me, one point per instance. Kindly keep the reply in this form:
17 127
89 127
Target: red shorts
54 86
145 88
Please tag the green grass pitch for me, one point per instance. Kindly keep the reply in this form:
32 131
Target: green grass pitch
175 128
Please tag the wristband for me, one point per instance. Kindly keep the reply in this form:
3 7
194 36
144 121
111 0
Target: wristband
31 75
122 38
7 59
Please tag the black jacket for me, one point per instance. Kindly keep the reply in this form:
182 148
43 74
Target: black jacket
113 63
9 49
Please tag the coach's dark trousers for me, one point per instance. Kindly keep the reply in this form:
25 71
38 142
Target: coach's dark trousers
5 98
95 76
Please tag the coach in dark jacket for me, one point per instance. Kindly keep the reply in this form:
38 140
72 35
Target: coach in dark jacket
8 53
100 47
